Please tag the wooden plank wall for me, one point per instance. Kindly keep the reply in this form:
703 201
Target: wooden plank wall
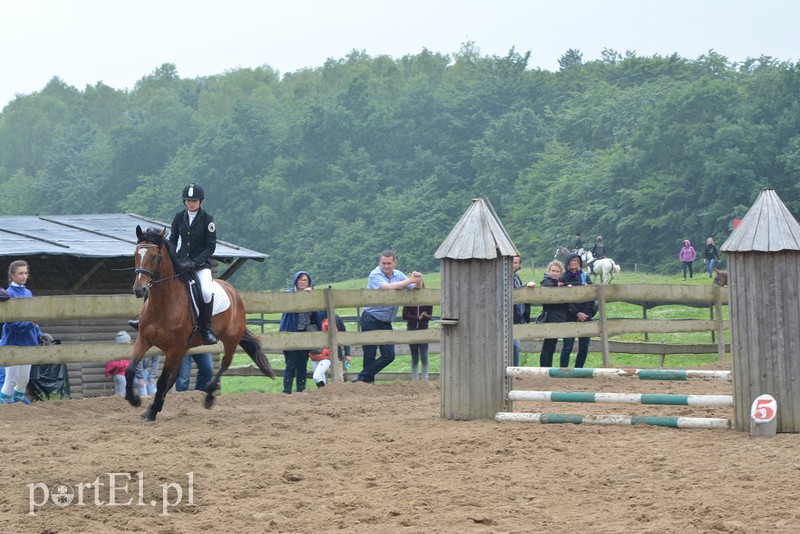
87 379
765 334
472 365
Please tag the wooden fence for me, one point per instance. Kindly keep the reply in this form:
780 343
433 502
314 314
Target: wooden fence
121 307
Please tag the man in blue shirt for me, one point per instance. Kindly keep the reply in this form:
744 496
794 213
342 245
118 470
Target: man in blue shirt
384 276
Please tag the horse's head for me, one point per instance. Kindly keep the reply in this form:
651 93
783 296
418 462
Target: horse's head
149 265
561 251
720 278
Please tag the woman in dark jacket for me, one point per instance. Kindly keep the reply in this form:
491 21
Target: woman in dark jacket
198 234
551 313
710 256
576 311
297 360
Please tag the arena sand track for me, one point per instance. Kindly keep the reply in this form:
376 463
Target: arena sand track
379 459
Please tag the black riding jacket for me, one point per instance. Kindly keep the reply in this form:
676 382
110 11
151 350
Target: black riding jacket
199 241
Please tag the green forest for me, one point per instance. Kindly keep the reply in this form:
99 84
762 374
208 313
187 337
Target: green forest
324 167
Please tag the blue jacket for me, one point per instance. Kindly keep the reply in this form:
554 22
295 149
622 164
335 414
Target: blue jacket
20 333
290 320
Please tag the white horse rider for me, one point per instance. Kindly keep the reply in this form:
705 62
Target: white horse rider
606 268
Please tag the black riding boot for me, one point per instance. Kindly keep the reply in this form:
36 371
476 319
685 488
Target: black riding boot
206 312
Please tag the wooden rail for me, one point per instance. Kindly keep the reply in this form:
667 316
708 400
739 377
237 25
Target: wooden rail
55 308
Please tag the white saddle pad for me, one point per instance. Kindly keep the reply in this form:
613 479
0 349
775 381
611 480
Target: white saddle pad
221 300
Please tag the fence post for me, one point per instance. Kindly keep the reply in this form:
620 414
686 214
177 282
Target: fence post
717 291
337 373
601 298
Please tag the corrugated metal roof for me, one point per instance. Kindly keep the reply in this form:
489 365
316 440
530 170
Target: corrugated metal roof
89 236
768 226
479 234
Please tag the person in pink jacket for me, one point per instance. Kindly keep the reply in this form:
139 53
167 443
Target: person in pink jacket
687 255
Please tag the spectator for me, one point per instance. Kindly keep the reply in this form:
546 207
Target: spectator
551 313
384 276
297 360
20 334
576 312
687 255
345 355
4 296
147 374
711 256
205 370
417 318
522 312
115 369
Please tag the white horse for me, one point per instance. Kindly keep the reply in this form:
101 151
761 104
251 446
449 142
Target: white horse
563 252
605 268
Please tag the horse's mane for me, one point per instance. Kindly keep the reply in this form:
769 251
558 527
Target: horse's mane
154 236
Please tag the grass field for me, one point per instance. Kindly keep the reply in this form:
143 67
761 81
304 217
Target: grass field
237 384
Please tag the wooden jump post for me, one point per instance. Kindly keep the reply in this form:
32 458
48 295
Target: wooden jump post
764 281
477 315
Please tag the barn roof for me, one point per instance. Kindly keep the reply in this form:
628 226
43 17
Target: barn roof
88 254
768 226
479 234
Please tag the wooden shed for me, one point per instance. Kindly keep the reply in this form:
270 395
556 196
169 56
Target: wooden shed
89 254
477 314
764 281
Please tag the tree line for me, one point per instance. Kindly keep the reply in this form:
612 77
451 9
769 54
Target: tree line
324 167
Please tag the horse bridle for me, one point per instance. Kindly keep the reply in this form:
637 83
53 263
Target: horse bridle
151 274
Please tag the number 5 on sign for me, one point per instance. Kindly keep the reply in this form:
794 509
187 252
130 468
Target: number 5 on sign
764 409
762 416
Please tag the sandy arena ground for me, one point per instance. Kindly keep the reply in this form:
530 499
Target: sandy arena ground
379 459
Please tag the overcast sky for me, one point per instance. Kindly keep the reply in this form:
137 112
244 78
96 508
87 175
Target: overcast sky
117 42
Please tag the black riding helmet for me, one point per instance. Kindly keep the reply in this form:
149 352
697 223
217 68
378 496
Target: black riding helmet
193 192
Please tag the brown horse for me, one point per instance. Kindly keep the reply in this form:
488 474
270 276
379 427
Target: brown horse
720 278
167 321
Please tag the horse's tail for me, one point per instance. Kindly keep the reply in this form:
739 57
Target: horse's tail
617 268
252 346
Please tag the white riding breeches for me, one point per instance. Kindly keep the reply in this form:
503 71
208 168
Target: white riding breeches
17 377
319 370
205 278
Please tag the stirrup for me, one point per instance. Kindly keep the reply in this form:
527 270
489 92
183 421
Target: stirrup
209 338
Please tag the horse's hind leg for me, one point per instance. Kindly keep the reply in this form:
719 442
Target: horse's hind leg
214 384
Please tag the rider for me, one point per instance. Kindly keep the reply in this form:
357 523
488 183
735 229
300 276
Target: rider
198 235
598 251
578 246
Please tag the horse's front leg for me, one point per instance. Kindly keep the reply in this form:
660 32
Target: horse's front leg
169 373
